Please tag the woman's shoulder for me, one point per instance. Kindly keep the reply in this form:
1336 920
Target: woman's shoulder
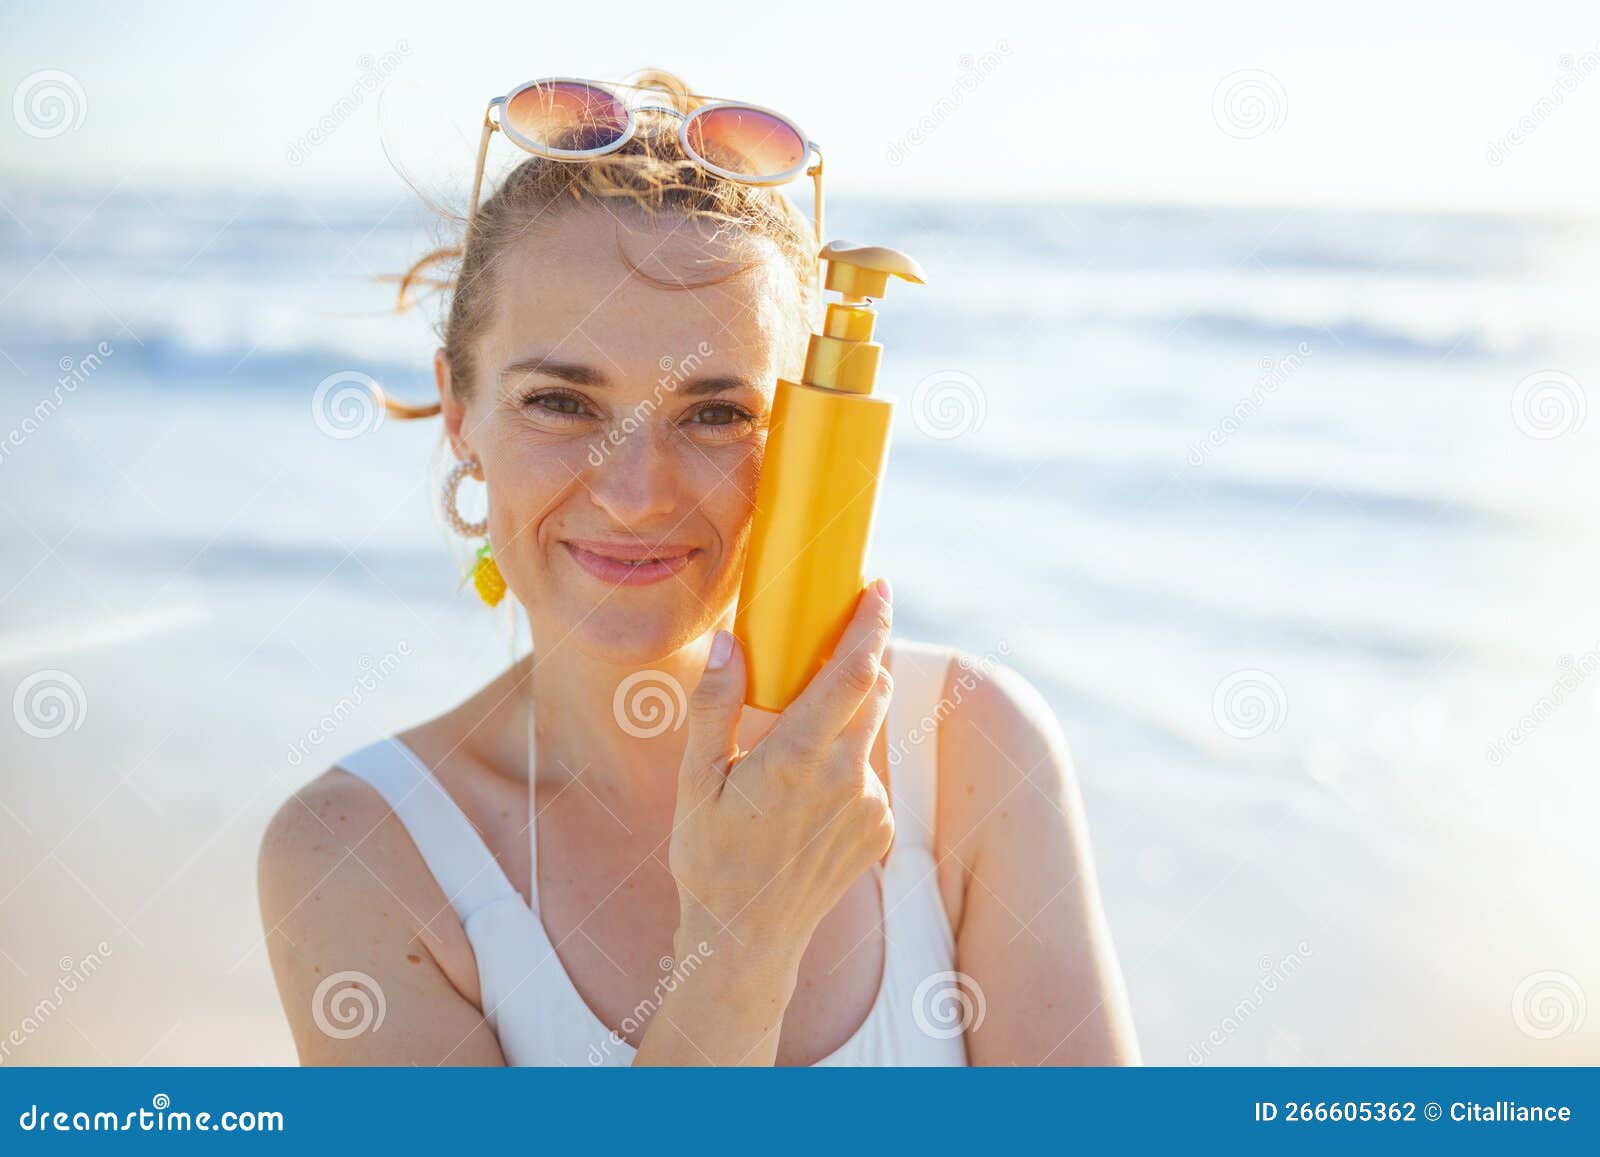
337 869
1003 756
330 822
978 697
336 837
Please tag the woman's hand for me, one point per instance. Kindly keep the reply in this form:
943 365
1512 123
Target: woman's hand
765 843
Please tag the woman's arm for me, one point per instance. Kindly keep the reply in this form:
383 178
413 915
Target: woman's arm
1033 935
343 890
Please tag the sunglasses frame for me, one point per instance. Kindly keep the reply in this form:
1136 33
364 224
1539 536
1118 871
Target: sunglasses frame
493 122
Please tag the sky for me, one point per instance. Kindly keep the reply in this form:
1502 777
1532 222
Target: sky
1463 105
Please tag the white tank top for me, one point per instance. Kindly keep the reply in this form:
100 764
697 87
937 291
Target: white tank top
536 1010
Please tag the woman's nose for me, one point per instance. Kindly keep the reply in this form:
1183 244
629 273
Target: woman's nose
633 477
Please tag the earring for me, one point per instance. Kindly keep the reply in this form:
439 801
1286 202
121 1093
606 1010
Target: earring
486 577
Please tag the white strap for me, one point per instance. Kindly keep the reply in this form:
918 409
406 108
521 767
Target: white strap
451 847
915 712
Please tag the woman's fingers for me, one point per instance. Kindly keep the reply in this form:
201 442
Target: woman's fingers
824 709
855 741
714 711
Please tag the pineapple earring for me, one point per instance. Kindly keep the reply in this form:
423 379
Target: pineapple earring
485 575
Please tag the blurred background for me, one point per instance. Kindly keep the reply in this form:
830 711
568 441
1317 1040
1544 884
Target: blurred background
1245 412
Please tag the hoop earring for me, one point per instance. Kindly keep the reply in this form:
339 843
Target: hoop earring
485 574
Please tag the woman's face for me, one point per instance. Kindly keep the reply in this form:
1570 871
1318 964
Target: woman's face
621 424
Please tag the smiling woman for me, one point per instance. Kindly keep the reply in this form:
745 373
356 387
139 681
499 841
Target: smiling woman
820 886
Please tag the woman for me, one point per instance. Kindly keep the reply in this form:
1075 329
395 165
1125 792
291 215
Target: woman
893 871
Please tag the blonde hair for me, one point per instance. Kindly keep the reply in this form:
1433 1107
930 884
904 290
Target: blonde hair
651 174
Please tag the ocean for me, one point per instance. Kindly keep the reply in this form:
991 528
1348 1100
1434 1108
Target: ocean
1289 513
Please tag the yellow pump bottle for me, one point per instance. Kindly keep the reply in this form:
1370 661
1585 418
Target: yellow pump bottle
825 454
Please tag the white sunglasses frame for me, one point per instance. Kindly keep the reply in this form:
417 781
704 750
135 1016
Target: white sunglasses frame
493 121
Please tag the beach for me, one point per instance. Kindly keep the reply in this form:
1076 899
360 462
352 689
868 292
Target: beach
1288 513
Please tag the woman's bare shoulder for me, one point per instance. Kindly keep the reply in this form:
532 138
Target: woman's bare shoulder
320 825
1003 756
339 878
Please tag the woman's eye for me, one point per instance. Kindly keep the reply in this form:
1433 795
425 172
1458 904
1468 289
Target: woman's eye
720 414
558 405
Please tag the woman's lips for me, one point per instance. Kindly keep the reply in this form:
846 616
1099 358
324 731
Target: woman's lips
629 565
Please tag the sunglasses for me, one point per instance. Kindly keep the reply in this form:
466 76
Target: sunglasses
568 119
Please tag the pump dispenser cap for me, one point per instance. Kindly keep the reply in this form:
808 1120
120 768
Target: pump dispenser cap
843 356
863 271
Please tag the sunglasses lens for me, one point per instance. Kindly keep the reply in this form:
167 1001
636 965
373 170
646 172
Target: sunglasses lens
746 141
567 116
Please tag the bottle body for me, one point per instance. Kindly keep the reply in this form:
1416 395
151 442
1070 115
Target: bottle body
805 565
